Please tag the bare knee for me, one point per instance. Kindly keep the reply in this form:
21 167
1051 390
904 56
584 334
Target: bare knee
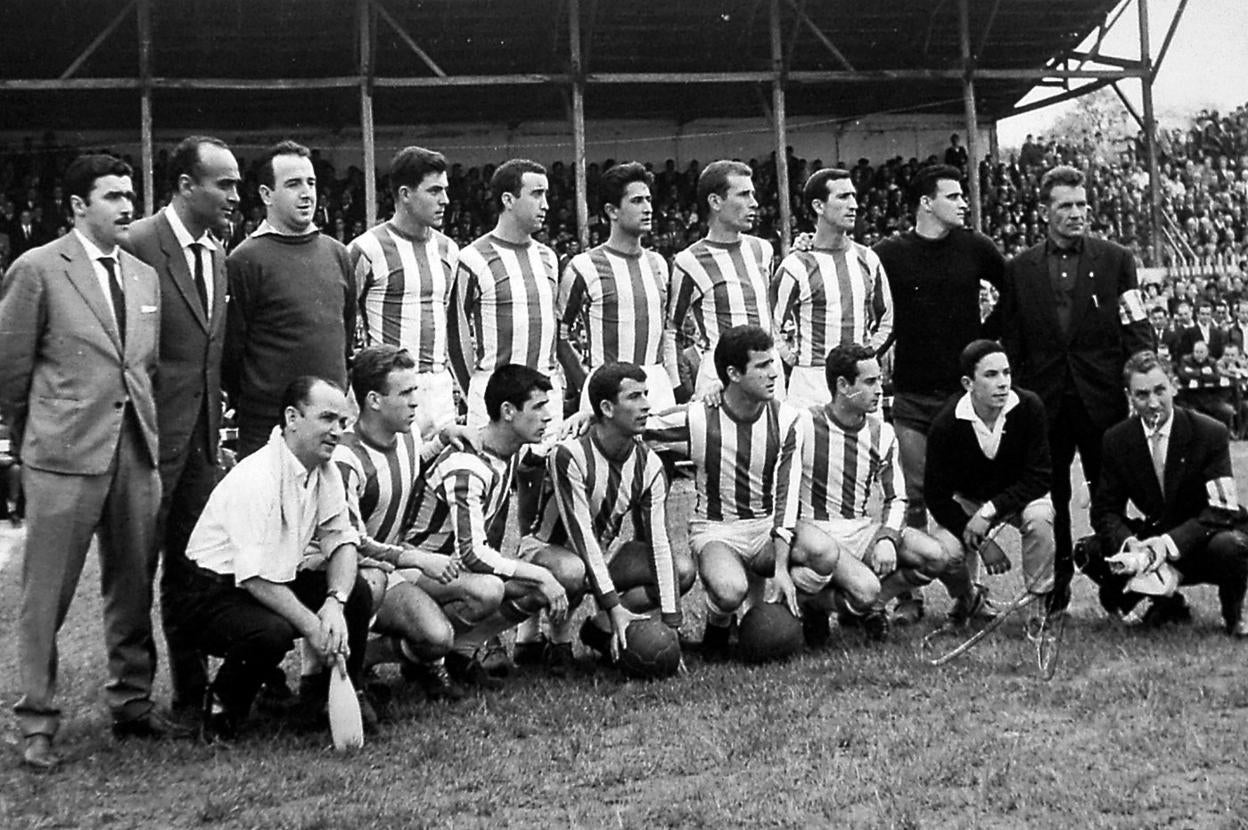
686 572
482 595
925 554
815 549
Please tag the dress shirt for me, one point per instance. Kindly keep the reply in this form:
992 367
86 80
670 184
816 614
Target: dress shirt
989 437
101 273
263 517
186 241
1063 268
1161 433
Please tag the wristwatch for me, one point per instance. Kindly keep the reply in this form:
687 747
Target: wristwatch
338 595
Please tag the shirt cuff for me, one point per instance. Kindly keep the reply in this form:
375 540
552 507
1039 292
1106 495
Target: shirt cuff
1172 550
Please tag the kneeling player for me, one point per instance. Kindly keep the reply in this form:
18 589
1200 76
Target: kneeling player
845 455
746 457
460 514
595 480
418 610
988 465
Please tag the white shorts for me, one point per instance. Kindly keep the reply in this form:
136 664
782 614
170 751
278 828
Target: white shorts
658 389
853 535
477 416
747 538
707 374
808 386
435 402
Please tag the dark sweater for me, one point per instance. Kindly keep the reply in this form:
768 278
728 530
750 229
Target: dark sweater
1019 474
291 313
935 285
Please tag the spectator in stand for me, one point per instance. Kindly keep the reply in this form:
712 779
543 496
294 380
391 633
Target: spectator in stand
1204 329
1200 385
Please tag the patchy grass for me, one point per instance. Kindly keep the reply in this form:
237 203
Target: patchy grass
1136 730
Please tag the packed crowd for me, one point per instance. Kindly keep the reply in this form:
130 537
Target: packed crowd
1204 171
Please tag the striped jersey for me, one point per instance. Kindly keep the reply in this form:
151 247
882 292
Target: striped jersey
405 290
620 299
840 466
507 293
724 285
835 297
463 496
379 483
587 497
744 469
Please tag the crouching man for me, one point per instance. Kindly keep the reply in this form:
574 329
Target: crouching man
253 596
988 466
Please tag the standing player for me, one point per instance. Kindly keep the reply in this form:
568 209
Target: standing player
845 455
596 480
405 270
460 510
748 474
379 457
935 273
724 278
618 292
836 292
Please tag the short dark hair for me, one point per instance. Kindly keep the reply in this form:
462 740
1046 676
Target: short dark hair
842 362
613 183
816 187
1203 304
82 172
735 345
509 178
298 392
1061 176
373 364
928 177
605 383
514 384
410 165
714 179
1141 363
265 173
976 351
184 160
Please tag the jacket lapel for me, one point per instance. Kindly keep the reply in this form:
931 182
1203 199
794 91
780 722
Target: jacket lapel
1085 286
1143 455
1176 454
178 270
219 286
81 274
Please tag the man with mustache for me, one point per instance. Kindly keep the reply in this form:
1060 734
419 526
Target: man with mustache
292 299
78 356
1071 314
835 293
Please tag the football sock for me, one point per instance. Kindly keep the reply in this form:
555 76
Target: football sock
715 615
530 630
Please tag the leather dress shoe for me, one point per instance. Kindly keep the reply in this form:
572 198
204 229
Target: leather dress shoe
152 725
38 755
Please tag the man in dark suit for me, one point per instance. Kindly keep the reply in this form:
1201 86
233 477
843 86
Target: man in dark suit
1237 333
26 233
79 320
179 242
1161 333
1071 313
1203 330
1174 465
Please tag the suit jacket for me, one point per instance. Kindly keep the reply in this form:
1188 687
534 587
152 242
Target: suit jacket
1191 336
1194 505
1236 334
1107 325
190 344
65 378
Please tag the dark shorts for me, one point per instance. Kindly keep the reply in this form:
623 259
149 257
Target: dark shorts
917 410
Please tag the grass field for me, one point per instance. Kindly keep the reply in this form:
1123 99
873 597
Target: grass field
1136 730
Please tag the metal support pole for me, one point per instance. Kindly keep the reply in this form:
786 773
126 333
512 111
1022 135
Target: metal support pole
145 107
1150 137
578 123
366 111
972 121
782 140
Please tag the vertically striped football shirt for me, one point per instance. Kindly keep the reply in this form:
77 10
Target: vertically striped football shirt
724 285
379 483
620 299
835 297
405 291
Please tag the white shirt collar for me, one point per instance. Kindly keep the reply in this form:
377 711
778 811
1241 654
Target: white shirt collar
989 438
265 228
93 250
1163 429
183 235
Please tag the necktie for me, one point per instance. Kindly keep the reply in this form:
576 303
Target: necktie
119 298
1159 459
202 290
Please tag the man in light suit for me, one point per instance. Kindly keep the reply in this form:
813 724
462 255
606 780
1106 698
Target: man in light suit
79 321
182 242
1071 314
